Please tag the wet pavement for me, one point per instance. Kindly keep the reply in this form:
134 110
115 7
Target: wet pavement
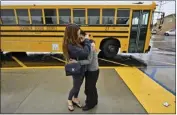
167 43
161 61
165 76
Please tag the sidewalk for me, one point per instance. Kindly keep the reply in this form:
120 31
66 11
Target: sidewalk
46 91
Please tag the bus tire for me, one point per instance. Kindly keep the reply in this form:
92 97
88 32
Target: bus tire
110 48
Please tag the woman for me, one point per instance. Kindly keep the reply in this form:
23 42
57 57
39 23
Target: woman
72 48
91 77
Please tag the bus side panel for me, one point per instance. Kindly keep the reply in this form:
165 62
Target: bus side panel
41 44
25 44
46 38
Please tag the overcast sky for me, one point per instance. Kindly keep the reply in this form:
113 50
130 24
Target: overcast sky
168 6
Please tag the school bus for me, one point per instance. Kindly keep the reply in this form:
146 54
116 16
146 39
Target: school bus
39 26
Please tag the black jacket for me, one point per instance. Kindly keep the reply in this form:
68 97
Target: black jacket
78 53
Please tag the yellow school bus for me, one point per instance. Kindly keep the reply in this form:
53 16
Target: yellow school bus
39 26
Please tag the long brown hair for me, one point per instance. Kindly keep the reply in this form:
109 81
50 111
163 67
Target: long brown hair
70 37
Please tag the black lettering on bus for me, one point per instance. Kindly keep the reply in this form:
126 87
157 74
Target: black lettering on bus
51 28
39 28
25 28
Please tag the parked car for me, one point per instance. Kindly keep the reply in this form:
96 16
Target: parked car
171 32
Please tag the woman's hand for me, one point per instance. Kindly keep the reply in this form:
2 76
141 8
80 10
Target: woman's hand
72 61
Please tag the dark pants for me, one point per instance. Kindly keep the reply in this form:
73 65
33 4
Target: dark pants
91 78
77 82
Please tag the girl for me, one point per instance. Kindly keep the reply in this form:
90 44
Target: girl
72 48
91 77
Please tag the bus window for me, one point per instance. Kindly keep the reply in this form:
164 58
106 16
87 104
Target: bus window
108 16
8 17
93 16
36 16
79 16
122 16
50 16
135 19
145 17
22 15
64 16
144 22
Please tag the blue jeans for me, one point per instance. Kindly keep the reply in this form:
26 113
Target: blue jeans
77 82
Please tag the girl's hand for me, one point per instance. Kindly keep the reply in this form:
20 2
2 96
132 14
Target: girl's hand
87 36
82 39
93 46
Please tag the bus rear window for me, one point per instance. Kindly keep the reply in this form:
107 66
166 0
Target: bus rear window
108 16
36 16
22 15
79 16
64 16
93 16
8 17
50 16
122 16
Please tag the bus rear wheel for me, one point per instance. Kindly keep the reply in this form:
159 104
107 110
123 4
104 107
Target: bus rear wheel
110 49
